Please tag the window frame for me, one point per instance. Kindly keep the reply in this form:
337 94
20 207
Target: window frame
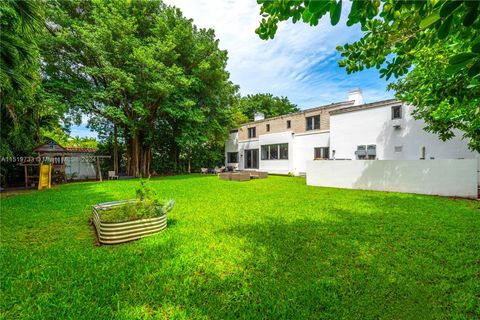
311 123
279 150
229 158
252 132
393 111
324 153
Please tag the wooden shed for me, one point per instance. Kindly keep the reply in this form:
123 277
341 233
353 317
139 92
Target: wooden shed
70 163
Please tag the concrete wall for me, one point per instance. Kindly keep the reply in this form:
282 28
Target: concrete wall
303 149
375 126
447 177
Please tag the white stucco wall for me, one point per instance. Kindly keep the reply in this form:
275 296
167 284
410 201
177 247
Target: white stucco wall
231 145
303 148
446 177
375 126
277 166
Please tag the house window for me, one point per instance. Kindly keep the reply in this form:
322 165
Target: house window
232 157
312 123
275 151
268 127
396 112
252 132
321 153
398 148
289 124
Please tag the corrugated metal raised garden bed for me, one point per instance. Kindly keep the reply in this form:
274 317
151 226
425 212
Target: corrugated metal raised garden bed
112 232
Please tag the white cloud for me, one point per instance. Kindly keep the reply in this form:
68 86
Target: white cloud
301 62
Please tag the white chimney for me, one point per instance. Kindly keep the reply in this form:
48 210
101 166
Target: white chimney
355 95
258 116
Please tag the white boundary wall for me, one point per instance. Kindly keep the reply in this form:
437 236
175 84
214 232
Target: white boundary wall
445 177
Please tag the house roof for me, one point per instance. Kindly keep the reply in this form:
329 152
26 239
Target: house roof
53 146
365 106
81 150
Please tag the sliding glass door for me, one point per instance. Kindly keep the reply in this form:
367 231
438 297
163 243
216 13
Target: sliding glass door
251 159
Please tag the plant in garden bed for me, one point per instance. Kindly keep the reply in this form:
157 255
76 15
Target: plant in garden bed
146 205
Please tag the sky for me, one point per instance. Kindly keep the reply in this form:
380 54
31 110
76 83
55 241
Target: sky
299 63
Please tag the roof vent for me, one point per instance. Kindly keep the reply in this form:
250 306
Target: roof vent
258 116
355 95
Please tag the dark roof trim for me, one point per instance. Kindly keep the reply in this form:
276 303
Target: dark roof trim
332 105
365 106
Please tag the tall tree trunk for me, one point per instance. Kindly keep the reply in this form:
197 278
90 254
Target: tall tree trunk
115 149
139 157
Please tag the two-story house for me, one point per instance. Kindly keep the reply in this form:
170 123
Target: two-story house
346 130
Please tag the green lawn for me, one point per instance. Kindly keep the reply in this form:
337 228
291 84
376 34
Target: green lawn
271 248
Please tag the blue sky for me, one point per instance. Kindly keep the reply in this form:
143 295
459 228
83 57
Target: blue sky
300 63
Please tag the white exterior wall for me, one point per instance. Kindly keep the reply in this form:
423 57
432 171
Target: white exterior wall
231 146
447 177
375 126
277 166
303 149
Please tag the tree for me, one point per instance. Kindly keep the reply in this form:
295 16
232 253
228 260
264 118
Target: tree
141 66
267 104
431 47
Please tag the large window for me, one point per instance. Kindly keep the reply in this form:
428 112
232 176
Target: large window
232 157
321 153
396 112
312 123
252 132
275 152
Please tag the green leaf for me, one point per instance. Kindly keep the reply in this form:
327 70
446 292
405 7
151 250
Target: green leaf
454 68
461 57
470 17
445 28
306 16
448 8
431 19
476 48
335 11
474 70
315 6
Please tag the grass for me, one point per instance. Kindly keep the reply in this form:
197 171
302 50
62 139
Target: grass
269 248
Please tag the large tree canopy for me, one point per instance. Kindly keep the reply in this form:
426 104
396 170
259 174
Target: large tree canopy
143 67
266 103
431 47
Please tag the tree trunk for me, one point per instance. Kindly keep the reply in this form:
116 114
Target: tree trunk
115 150
138 156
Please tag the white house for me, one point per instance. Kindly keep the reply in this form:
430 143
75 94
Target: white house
383 130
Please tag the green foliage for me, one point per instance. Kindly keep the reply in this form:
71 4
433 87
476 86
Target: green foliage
266 103
402 39
144 67
147 205
267 249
